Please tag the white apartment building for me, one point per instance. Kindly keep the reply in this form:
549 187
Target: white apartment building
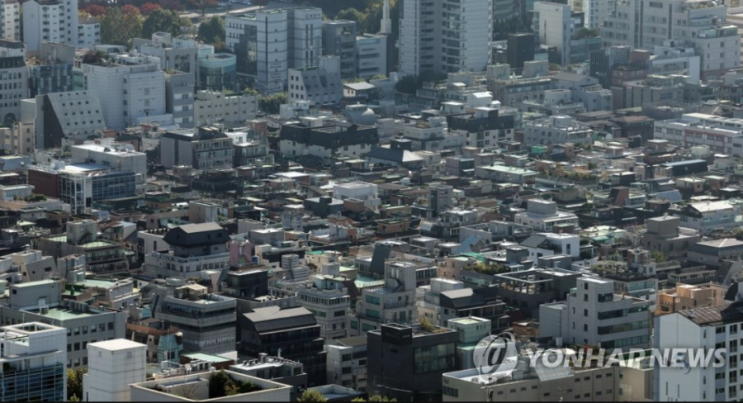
14 78
88 33
704 328
445 35
594 315
11 20
366 192
346 362
18 139
548 244
556 130
320 85
675 57
49 21
702 24
392 302
328 299
130 88
595 11
371 55
15 192
180 54
553 26
119 156
707 217
695 129
105 382
215 106
542 215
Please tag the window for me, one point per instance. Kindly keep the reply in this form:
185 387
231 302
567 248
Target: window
447 391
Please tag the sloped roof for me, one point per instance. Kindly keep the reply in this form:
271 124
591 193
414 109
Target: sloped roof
197 234
273 318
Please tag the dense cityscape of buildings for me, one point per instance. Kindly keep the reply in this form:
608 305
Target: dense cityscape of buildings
306 201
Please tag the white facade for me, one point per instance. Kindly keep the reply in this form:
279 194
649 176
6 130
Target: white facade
33 345
269 62
366 192
113 365
130 89
371 55
320 84
556 130
594 315
445 35
50 22
12 20
542 215
14 78
553 26
18 139
595 11
214 106
15 192
722 135
702 24
118 156
88 33
305 37
686 330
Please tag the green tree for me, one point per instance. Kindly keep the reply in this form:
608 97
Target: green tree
212 30
351 14
74 398
202 5
658 256
250 91
271 104
119 28
311 395
217 384
164 21
75 382
378 398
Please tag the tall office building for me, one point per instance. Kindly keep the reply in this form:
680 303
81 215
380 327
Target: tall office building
445 35
339 39
553 26
269 42
701 24
305 37
595 11
130 88
49 21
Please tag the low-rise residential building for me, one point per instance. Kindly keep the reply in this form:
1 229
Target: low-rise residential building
206 320
542 215
556 130
195 248
202 148
707 217
347 360
594 315
41 301
326 139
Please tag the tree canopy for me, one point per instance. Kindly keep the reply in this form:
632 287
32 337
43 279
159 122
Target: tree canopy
212 30
164 21
271 104
311 395
120 26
